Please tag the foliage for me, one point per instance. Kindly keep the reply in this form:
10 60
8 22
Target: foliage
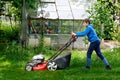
7 34
102 14
117 5
13 52
15 6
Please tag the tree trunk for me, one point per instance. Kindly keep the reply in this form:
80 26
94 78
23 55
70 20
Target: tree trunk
23 36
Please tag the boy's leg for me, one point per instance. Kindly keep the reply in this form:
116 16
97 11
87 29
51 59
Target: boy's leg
98 51
89 53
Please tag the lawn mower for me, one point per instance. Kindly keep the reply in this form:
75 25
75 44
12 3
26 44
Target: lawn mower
55 62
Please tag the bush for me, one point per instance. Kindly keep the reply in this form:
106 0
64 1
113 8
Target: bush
101 13
8 34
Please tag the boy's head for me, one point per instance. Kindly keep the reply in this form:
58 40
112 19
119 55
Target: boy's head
86 22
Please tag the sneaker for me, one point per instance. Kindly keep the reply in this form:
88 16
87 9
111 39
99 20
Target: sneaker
86 68
108 67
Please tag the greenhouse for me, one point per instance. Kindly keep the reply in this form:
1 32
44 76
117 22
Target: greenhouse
58 18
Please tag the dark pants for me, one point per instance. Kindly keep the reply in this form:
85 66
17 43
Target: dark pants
95 46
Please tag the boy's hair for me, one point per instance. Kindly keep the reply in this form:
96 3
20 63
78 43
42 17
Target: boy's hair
86 21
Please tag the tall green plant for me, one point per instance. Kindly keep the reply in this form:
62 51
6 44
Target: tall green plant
7 34
102 14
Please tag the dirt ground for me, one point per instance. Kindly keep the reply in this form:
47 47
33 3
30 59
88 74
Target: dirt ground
110 44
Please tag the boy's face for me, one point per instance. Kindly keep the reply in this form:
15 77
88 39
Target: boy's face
85 24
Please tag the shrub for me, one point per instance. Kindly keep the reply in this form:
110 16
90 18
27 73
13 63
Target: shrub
8 34
101 13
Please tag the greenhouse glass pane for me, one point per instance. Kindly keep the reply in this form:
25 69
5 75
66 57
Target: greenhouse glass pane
81 1
79 8
62 2
48 10
50 15
65 15
80 16
65 8
47 0
74 7
49 7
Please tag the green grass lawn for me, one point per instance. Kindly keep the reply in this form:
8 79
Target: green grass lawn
12 67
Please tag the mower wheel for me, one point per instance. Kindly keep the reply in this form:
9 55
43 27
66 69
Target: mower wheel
51 66
28 68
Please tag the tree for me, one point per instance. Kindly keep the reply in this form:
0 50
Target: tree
102 14
19 10
118 17
16 6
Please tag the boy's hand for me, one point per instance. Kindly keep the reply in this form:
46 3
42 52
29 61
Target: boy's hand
73 35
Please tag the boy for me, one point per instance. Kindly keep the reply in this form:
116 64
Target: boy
94 43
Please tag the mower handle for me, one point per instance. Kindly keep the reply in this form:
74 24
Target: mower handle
62 48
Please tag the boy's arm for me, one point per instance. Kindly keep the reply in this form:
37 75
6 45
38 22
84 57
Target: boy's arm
83 33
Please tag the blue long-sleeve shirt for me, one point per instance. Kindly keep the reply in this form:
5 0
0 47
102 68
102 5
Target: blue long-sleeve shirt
89 32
